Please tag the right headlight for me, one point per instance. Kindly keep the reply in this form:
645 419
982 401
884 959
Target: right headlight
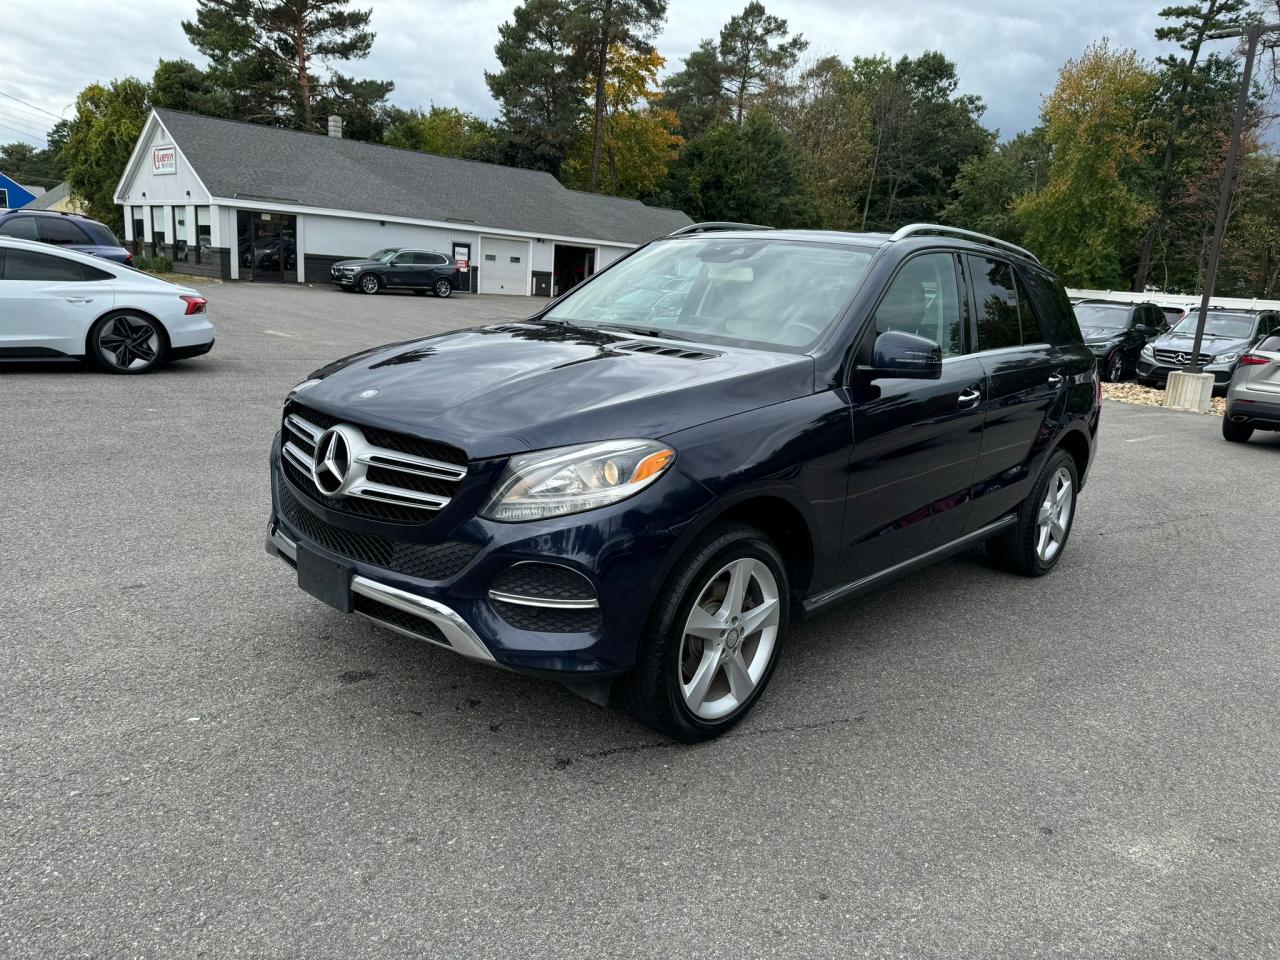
1148 352
552 483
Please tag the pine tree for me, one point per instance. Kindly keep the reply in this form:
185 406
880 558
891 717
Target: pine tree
756 52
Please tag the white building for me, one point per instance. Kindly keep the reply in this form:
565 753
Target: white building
247 202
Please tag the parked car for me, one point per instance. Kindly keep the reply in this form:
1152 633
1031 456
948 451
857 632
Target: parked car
1228 335
57 304
1117 332
640 509
399 268
69 230
1253 399
1174 315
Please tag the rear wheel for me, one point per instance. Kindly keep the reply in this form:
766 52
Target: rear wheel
442 288
127 343
1236 432
1034 545
370 283
714 637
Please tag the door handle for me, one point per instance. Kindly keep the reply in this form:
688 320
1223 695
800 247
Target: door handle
969 397
1055 378
79 299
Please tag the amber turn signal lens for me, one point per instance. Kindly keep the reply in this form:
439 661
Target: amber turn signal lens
652 464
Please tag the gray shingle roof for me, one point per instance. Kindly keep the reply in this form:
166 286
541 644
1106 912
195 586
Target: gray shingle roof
51 196
252 162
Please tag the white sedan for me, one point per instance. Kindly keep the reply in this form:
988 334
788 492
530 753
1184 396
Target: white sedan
56 303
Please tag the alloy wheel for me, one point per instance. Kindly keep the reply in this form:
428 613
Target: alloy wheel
1054 517
369 283
1115 367
729 639
443 288
129 343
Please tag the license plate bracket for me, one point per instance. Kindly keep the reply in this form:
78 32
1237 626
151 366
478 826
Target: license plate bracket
327 580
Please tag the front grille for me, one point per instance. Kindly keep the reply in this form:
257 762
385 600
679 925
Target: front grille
425 561
544 581
383 474
548 619
395 617
1171 357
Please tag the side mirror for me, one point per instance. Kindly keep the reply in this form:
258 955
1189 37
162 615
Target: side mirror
904 356
1145 330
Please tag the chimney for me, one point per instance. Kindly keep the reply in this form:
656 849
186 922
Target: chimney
335 127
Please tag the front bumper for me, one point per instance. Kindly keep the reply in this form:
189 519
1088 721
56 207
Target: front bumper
1155 372
343 279
624 552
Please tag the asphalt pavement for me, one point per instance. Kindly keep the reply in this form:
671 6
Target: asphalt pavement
197 760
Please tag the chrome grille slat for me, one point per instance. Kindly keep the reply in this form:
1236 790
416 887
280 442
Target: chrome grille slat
1171 356
301 431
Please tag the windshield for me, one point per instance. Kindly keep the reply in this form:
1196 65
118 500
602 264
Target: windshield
1237 326
755 291
385 254
1102 316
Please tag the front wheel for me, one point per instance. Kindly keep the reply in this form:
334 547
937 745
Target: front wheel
370 284
1236 432
443 288
1113 371
714 637
127 343
1034 545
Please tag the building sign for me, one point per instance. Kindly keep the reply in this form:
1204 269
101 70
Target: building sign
462 254
164 159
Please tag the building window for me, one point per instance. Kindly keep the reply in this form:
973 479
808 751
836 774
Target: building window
4 198
157 232
204 236
139 215
180 252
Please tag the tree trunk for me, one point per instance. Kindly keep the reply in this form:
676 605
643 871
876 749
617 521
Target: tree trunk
871 181
1166 167
602 64
304 81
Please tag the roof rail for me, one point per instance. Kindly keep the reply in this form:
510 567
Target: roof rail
912 229
713 225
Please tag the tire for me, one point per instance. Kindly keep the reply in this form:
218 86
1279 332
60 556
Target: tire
442 288
1236 432
1024 549
369 283
672 665
1113 367
127 343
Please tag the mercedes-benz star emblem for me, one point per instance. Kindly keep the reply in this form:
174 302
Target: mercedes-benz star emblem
332 462
1181 358
366 394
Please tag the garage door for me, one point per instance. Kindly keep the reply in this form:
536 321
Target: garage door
504 266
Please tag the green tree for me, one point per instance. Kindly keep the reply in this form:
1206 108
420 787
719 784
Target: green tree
695 93
33 165
746 172
600 28
756 52
181 85
538 85
1087 219
267 54
988 187
100 139
1189 26
446 131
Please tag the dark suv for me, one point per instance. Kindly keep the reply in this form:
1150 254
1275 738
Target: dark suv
1117 332
399 268
636 496
64 230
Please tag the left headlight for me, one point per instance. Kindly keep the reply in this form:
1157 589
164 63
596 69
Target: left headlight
1231 357
552 483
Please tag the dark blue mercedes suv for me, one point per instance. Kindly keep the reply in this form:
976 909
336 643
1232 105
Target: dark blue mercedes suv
638 488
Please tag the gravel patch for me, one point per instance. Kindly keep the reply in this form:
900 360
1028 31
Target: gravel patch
1151 397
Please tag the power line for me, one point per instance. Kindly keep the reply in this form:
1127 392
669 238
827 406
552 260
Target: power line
31 105
32 115
28 136
17 120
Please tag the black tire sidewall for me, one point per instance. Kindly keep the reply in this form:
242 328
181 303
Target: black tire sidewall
1235 432
666 630
1111 360
1027 522
101 361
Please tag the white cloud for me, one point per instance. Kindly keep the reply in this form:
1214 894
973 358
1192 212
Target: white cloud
1008 51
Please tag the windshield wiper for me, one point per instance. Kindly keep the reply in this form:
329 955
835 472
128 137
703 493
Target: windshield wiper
643 331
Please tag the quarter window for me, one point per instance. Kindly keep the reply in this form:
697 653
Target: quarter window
60 230
27 265
923 300
996 298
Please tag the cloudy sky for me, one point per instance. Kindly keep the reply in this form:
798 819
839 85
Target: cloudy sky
1008 51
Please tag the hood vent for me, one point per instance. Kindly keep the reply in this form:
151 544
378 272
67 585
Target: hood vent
664 350
511 328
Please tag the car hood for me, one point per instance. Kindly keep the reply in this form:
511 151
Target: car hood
528 386
1100 334
1211 344
359 263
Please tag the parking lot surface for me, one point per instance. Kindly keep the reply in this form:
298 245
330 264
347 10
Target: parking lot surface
197 760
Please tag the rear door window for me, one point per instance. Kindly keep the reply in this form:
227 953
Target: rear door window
996 298
31 266
61 230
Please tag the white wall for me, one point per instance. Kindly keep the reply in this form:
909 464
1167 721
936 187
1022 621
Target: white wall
349 237
607 255
163 188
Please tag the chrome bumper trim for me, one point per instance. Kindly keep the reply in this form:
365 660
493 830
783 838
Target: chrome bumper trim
462 639
503 597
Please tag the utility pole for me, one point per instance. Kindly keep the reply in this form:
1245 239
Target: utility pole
1191 388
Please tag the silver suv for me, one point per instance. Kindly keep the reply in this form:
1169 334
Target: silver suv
1253 399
